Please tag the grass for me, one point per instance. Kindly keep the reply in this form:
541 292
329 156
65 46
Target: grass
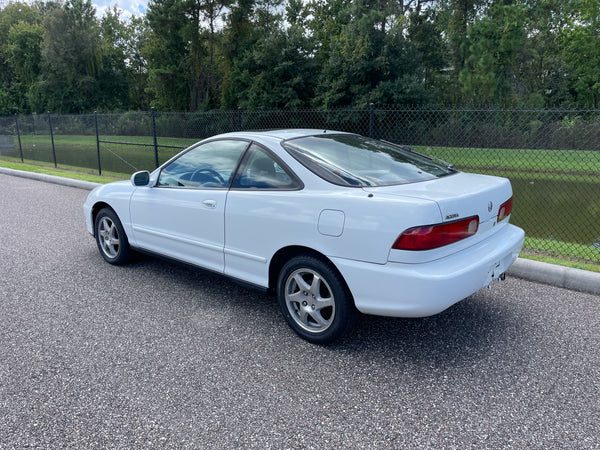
88 142
82 139
575 165
568 253
574 162
560 261
80 150
76 173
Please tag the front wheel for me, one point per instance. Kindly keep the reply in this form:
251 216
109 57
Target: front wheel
111 238
315 300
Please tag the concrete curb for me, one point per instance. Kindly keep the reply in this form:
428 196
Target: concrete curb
50 178
559 276
564 277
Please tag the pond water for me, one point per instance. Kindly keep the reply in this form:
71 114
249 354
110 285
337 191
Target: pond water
563 210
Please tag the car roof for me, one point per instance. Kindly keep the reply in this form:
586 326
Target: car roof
282 134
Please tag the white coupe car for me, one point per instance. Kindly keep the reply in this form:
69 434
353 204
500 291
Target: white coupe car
332 223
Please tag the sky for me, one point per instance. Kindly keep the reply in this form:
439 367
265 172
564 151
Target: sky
129 7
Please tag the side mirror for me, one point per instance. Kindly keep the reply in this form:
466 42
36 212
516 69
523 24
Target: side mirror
141 178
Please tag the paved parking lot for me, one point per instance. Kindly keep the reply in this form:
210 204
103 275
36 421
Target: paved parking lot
158 355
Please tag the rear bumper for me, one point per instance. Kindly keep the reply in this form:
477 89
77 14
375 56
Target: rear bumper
420 290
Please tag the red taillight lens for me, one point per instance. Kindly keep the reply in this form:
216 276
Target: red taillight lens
433 236
505 209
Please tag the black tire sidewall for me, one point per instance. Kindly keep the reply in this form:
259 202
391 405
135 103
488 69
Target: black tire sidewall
345 311
123 253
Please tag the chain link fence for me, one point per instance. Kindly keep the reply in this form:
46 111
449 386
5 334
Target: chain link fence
552 157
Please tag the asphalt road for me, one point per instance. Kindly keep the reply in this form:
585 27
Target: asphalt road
157 355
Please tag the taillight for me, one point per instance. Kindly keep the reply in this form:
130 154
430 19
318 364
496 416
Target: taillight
505 209
433 236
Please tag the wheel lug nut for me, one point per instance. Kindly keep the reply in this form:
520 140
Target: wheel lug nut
304 303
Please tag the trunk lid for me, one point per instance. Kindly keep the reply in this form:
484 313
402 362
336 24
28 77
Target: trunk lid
457 196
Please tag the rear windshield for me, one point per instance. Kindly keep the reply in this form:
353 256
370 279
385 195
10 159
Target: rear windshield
352 160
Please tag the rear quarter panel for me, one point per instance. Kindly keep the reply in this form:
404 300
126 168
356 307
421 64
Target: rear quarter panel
258 224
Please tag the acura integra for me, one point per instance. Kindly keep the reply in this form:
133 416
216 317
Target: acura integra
331 223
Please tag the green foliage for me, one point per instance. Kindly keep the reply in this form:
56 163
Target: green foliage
197 55
20 37
368 59
496 43
132 123
166 53
121 77
70 58
581 43
277 72
22 50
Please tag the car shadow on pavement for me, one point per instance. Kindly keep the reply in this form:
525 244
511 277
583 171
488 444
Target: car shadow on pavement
464 332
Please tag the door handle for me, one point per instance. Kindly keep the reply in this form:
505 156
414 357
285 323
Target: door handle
210 203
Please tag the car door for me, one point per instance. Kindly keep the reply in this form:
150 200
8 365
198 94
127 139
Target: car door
260 215
182 215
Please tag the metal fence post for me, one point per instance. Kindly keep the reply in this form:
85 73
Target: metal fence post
52 139
154 136
371 120
97 142
239 117
19 136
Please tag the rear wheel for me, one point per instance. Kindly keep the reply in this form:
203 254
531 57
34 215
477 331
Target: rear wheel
315 300
111 238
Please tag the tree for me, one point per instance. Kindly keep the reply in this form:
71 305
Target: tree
278 73
581 46
454 17
370 60
20 39
70 59
425 34
210 11
167 55
277 70
180 52
267 15
122 76
238 37
23 52
496 42
543 71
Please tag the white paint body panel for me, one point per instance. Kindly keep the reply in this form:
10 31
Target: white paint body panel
237 232
420 290
331 222
184 224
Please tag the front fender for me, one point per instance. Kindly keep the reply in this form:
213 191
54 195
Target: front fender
116 196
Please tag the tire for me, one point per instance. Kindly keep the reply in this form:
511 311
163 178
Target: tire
315 301
111 238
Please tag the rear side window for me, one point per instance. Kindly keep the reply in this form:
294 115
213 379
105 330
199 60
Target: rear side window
260 170
352 160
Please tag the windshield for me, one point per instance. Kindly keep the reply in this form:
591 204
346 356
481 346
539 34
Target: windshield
352 160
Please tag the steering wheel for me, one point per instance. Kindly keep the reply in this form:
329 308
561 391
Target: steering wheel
209 175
